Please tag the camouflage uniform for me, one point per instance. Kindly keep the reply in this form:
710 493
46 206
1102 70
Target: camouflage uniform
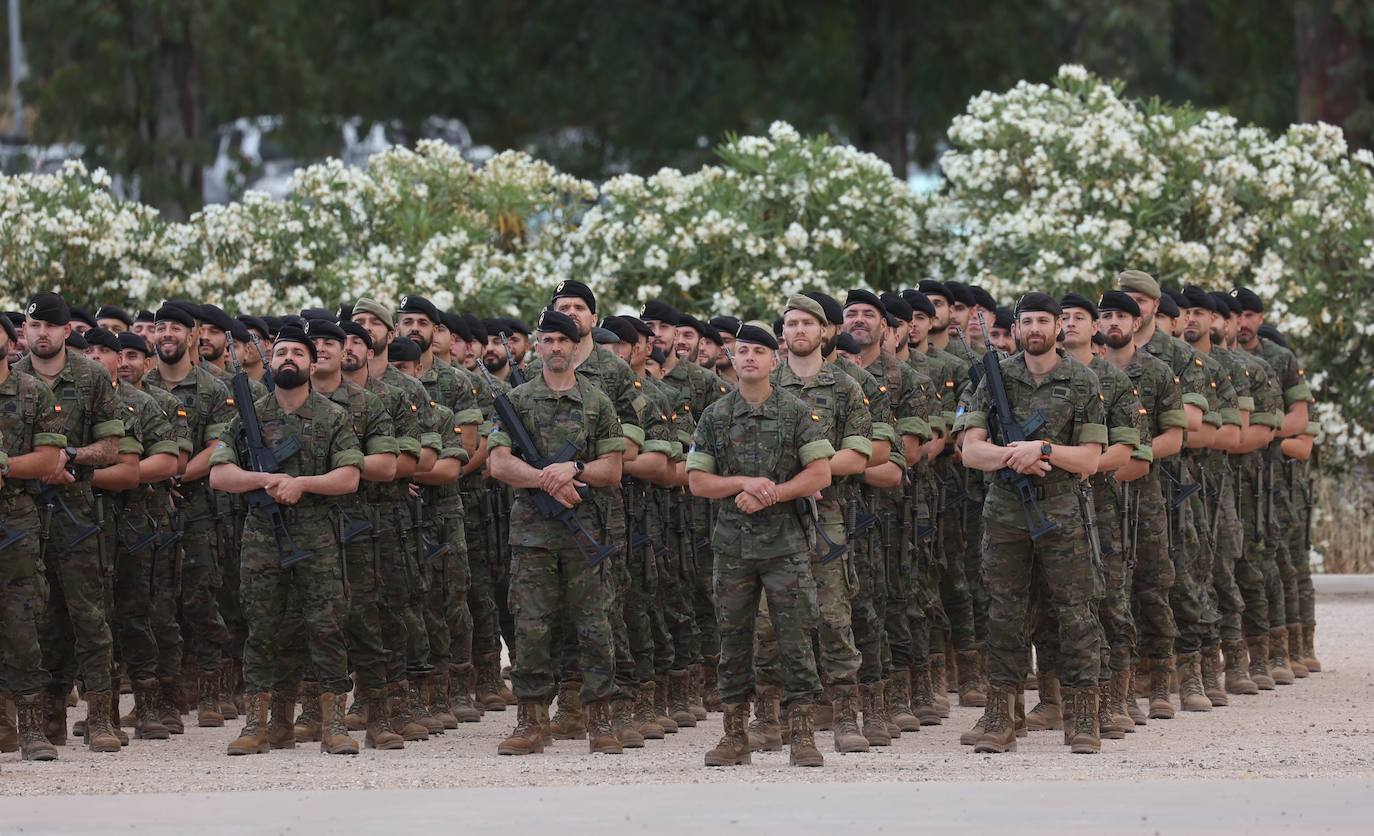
1214 517
1255 564
447 575
766 553
1069 398
164 557
315 585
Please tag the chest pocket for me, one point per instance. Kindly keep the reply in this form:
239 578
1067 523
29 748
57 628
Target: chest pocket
576 433
17 418
757 442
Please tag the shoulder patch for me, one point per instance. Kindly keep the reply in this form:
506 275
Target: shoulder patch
1197 361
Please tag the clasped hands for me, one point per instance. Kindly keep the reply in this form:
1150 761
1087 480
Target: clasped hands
1024 458
559 480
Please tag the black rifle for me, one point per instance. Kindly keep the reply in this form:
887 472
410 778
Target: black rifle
524 447
805 507
349 528
517 375
1012 431
264 459
9 536
51 496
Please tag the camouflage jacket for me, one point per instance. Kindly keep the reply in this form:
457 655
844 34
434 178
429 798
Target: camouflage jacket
29 418
1160 396
615 379
88 403
371 424
839 401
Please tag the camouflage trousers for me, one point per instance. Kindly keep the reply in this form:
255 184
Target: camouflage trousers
976 580
617 579
703 602
547 586
1226 531
229 538
923 607
22 598
838 659
164 568
897 560
1297 523
677 568
1145 531
1187 596
404 639
447 580
132 595
204 630
956 575
1250 570
75 631
868 607
662 579
311 590
637 600
485 568
790 589
1114 610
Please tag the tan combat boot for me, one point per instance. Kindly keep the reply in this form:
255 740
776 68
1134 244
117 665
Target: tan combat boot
1191 695
228 709
1083 737
420 687
1211 676
147 726
1278 657
100 734
600 739
119 733
899 708
1132 701
874 729
569 722
398 709
281 725
356 715
694 701
207 705
252 739
825 710
999 726
1107 722
733 748
1161 706
848 738
884 711
1309 649
1118 693
1258 647
679 707
645 714
527 737
168 709
938 677
334 738
765 732
623 724
502 689
33 746
489 684
801 736
462 678
972 690
710 683
1048 713
379 733
309 722
439 706
1295 651
9 724
923 697
970 737
1233 660
661 715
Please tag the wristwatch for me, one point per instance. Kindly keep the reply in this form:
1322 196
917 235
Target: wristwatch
1045 450
580 467
71 454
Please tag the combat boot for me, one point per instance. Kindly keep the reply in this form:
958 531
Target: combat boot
645 714
1211 676
848 738
923 697
398 709
527 736
623 724
1309 649
461 681
1048 713
899 708
710 685
9 724
1233 661
874 729
308 724
146 725
33 746
825 710
679 707
1107 722
1258 646
884 711
600 739
970 737
119 733
1295 651
1082 738
439 701
227 686
694 701
1278 657
801 736
379 733
334 738
252 739
972 691
502 689
569 722
168 707
420 687
1191 694
1132 702
938 678
281 726
1161 708
999 727
661 704
1118 689
356 715
207 705
100 736
733 748
489 685
541 717
765 732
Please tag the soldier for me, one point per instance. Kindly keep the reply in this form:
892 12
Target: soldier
725 326
113 319
1002 334
31 432
1067 393
551 582
328 464
144 325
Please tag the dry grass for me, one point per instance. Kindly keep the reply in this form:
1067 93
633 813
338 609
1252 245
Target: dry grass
1343 521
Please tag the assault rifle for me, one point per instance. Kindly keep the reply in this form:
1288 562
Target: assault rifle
9 536
805 507
51 496
517 375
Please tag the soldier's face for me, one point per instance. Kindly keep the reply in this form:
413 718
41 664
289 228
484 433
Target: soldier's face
1147 305
291 366
1078 326
171 341
409 368
624 350
443 341
920 329
723 358
1118 328
685 342
863 323
211 343
896 337
355 353
653 369
707 354
1248 327
556 351
418 328
801 332
664 334
1228 328
105 357
132 364
643 347
1038 332
1002 340
376 329
1164 323
753 362
975 330
80 327
958 315
114 326
328 355
519 345
44 339
1196 323
494 355
144 330
941 320
576 308
474 351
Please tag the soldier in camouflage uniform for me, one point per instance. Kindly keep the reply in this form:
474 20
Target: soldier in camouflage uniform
75 632
329 464
1068 448
551 581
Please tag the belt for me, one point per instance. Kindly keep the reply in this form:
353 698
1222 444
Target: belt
1043 490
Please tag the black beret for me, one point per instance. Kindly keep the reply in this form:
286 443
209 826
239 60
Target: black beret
99 336
496 326
345 311
325 329
76 341
603 336
111 312
1168 307
833 312
316 313
622 329
661 311
860 296
982 298
353 329
475 327
1272 334
1118 300
730 323
255 323
175 313
553 322
459 326
128 339
273 324
1196 297
711 333
191 308
778 326
747 333
517 325
403 349
50 308
919 302
1076 300
897 306
845 342
1249 300
643 327
959 292
7 323
1004 319
215 315
657 355
689 321
419 305
292 319
82 315
1037 301
292 334
1225 305
577 289
145 315
930 287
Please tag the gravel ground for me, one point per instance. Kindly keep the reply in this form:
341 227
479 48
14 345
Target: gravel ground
1321 727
